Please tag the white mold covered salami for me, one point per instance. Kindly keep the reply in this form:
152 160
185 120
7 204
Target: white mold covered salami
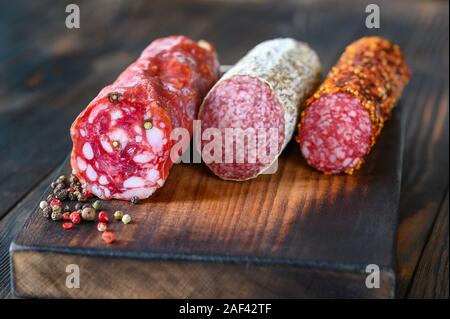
256 103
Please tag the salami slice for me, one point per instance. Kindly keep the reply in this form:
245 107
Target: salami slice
252 111
121 141
345 116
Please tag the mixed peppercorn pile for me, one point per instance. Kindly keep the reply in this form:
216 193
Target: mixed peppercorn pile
76 208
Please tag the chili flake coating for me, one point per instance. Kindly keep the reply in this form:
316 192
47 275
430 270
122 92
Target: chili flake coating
369 79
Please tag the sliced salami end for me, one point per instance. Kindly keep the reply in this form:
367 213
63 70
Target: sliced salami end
249 105
335 133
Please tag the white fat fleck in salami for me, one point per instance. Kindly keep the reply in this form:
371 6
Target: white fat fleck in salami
82 132
87 151
91 173
143 157
139 192
133 182
106 144
116 114
81 163
103 180
152 175
155 138
264 90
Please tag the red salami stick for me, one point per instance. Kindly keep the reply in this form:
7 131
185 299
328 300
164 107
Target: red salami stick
343 119
121 141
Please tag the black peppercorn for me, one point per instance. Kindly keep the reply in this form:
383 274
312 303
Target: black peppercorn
81 198
72 196
61 194
47 212
134 200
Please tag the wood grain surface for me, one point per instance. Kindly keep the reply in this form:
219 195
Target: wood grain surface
283 228
53 72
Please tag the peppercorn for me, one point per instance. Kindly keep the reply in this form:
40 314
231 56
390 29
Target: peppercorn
115 144
78 206
73 179
118 215
148 125
81 198
61 194
66 208
85 206
88 214
126 219
108 237
43 204
66 216
76 193
97 205
87 193
47 212
55 202
56 209
101 226
50 198
57 215
53 184
71 196
103 217
134 200
62 178
76 186
57 188
115 97
67 225
75 217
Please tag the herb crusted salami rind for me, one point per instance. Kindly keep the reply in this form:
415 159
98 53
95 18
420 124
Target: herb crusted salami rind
121 141
263 91
344 117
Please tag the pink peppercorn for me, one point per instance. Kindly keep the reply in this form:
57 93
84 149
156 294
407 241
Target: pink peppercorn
108 237
67 225
87 193
103 217
55 202
75 217
101 226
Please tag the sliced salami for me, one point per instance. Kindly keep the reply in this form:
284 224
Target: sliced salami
251 113
121 141
345 116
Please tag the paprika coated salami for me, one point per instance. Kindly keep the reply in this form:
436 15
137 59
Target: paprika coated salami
121 141
345 116
258 102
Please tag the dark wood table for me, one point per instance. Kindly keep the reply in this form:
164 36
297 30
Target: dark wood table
49 73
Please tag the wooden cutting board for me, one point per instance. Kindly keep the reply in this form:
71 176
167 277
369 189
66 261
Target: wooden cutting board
296 233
